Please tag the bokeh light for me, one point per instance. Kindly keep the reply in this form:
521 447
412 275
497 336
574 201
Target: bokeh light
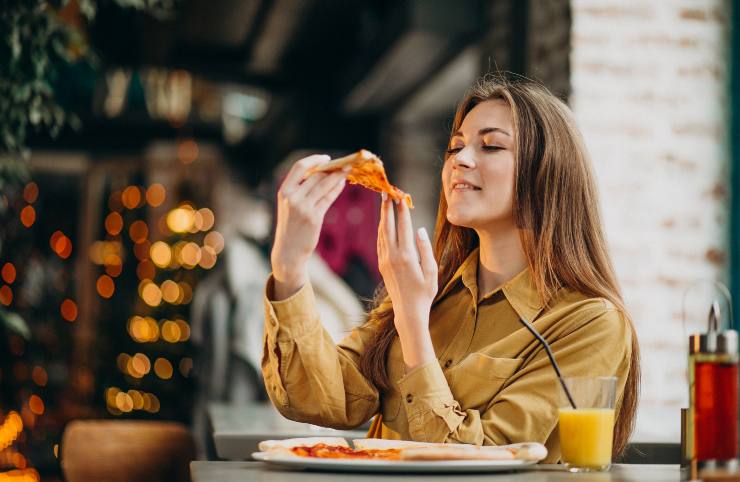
131 197
105 286
170 332
36 405
8 273
150 293
156 195
161 254
208 219
124 402
28 216
6 295
215 240
139 365
170 291
60 244
113 223
208 257
143 329
186 293
31 192
39 376
181 219
69 310
190 255
138 231
163 368
113 265
184 329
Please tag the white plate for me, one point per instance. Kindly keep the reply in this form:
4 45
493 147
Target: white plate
355 465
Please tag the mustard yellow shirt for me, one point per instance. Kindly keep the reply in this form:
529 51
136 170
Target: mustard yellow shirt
492 384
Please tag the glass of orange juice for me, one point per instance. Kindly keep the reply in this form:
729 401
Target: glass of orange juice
586 431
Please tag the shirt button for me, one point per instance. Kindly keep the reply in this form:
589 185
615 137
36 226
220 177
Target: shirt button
409 398
448 363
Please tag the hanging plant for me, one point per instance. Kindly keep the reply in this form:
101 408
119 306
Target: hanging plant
36 42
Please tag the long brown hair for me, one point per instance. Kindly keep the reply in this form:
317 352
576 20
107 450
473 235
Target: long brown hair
556 210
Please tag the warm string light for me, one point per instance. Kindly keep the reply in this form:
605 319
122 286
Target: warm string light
60 244
20 475
8 273
139 365
10 429
184 219
144 329
119 402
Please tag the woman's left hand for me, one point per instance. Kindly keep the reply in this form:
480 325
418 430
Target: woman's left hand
410 279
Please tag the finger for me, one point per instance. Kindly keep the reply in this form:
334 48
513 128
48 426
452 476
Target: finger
304 187
388 220
299 169
323 204
405 228
324 186
381 222
428 264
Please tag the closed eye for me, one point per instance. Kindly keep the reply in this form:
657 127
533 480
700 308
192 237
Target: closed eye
492 148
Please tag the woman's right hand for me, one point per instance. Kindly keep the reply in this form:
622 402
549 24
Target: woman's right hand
301 206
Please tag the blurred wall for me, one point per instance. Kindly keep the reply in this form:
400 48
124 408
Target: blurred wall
649 92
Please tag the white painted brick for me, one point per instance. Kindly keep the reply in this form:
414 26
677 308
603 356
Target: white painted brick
649 92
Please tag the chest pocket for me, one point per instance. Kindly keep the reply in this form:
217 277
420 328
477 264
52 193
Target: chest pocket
478 378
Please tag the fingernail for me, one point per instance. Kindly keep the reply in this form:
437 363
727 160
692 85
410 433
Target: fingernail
384 196
347 168
423 234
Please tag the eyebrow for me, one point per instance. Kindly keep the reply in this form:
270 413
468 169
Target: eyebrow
484 131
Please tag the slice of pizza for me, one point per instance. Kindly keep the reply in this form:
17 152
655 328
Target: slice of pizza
410 450
323 451
287 444
366 169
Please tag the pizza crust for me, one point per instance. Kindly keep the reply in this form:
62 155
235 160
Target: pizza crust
366 169
271 445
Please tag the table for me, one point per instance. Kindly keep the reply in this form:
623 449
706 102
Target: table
237 429
257 472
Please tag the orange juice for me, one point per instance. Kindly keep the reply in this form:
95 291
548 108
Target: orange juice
586 437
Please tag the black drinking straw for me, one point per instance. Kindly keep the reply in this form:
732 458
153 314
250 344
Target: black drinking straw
554 364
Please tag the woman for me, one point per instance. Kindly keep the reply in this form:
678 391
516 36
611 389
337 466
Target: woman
443 356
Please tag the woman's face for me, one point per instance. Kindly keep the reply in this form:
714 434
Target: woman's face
478 174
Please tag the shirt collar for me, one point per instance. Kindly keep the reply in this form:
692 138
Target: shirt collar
520 290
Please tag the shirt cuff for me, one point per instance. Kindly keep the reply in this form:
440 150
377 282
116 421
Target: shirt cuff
425 389
294 316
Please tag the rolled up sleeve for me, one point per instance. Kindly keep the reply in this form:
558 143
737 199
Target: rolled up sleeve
307 376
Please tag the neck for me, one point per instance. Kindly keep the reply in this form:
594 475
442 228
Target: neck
501 257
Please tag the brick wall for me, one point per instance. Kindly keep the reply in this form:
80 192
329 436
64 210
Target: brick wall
649 91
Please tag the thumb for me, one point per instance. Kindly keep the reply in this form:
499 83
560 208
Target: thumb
428 264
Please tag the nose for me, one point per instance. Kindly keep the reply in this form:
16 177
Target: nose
464 158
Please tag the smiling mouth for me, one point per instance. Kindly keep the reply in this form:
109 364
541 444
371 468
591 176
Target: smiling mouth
463 187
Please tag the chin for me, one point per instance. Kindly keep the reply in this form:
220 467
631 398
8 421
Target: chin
459 219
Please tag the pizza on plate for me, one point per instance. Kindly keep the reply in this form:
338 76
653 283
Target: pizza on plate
400 450
365 169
